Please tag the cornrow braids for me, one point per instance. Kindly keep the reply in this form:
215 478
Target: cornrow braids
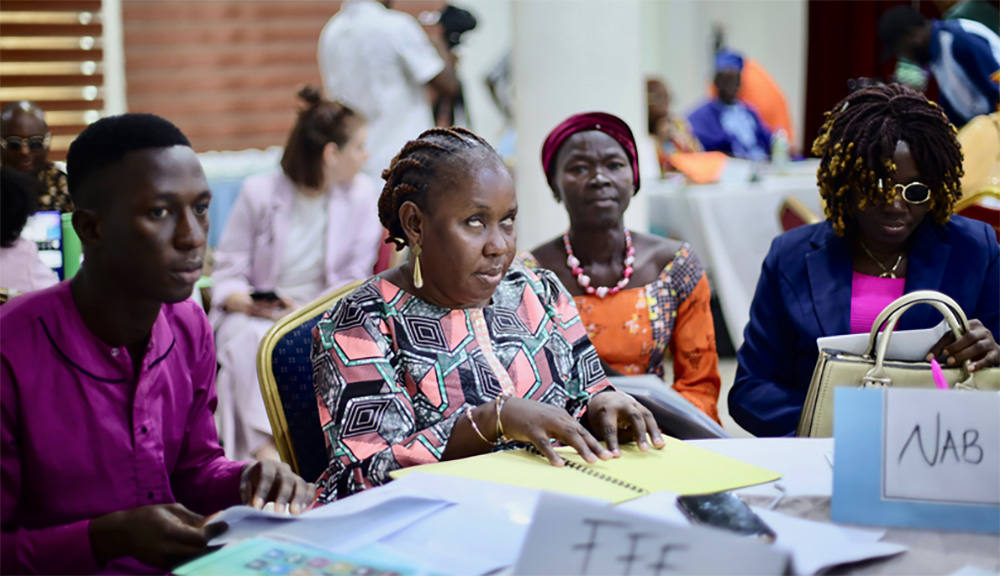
412 173
857 142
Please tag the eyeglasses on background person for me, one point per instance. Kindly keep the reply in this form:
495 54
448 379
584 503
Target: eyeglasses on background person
33 143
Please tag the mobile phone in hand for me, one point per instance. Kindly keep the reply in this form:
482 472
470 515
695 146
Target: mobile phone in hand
726 511
269 296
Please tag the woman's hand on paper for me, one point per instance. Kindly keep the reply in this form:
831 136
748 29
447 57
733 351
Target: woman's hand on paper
614 414
272 481
976 345
538 423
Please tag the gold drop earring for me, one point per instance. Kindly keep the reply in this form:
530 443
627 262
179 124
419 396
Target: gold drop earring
418 278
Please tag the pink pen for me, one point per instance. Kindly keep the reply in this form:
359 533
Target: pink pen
938 375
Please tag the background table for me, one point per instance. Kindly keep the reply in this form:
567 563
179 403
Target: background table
731 227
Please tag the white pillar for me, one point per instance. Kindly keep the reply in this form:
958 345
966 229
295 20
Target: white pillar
571 57
480 51
114 58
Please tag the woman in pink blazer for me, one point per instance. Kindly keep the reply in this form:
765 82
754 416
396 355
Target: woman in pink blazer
293 235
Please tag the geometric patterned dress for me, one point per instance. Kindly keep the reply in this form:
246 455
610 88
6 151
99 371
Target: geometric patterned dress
393 373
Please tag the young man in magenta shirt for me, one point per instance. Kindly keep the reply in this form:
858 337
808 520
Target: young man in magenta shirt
109 456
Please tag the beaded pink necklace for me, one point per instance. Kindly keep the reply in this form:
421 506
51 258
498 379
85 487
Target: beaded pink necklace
584 281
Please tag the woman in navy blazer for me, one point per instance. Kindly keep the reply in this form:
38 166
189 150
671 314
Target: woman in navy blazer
889 158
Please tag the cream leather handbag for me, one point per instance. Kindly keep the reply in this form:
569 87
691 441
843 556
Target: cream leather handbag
871 370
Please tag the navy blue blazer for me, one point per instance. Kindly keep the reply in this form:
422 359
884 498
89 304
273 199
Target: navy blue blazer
804 292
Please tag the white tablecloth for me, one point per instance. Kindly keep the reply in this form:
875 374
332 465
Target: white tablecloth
731 228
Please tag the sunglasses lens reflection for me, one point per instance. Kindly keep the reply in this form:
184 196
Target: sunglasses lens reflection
15 144
916 193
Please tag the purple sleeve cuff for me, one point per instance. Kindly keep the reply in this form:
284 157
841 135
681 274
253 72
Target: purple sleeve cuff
56 550
217 488
229 483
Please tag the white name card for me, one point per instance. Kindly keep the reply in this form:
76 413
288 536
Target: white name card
917 458
574 536
941 446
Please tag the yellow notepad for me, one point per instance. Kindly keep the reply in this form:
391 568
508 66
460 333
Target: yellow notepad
678 467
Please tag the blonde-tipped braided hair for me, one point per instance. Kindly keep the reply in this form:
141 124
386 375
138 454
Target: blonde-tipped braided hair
857 142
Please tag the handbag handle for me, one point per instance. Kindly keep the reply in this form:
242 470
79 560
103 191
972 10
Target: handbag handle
889 317
941 302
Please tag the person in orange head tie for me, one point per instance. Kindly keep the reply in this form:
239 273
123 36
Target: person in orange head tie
639 295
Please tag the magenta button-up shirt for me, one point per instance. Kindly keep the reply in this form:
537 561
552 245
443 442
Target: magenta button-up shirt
80 437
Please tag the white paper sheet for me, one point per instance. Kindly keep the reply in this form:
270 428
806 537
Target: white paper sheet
941 447
660 505
481 532
801 461
906 345
568 537
970 570
816 546
340 529
245 522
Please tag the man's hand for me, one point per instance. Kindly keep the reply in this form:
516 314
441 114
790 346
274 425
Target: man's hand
160 536
273 481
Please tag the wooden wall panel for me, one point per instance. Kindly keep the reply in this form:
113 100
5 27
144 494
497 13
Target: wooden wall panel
226 71
50 52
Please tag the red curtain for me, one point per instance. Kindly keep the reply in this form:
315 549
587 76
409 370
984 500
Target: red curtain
843 45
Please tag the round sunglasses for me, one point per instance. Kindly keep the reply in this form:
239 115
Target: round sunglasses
33 143
914 192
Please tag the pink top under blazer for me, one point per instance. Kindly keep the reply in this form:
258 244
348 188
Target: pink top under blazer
248 255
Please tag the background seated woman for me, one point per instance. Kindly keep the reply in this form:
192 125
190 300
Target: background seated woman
456 352
297 233
889 160
21 269
639 295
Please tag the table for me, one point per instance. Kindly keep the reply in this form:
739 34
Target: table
483 525
730 226
808 478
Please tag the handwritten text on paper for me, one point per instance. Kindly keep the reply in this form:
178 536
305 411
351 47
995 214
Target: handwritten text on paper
941 446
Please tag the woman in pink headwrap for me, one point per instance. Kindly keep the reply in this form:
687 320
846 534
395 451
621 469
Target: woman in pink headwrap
639 295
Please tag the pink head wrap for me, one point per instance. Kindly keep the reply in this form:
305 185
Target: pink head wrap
609 124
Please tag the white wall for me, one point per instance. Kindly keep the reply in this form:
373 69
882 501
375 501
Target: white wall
571 57
677 36
576 55
478 53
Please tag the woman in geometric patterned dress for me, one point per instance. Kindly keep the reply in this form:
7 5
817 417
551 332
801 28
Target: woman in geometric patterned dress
639 295
457 352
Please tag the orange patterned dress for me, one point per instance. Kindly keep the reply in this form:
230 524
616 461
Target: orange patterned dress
634 329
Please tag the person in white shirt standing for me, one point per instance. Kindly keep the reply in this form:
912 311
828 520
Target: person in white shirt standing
379 62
